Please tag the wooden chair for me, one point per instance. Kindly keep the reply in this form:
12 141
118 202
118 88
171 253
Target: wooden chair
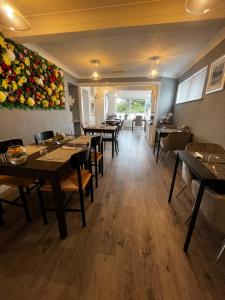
72 182
110 139
42 136
12 181
97 156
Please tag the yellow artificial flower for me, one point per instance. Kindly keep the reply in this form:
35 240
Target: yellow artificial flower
14 86
11 98
6 59
20 82
45 103
16 62
2 42
5 83
27 61
22 99
30 102
54 98
57 102
53 86
2 94
18 70
49 91
24 79
56 73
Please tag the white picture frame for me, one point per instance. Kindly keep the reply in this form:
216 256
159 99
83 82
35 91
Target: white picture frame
216 76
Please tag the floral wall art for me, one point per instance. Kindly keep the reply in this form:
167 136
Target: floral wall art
27 80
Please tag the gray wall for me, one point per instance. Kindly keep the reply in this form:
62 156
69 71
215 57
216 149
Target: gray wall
166 96
206 117
24 124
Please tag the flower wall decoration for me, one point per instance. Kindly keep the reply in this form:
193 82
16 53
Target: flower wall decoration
27 80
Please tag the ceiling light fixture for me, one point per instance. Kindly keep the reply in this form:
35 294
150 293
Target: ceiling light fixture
95 75
154 60
11 18
201 7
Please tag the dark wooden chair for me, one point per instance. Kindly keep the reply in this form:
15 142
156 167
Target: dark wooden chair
97 156
21 183
107 138
42 136
73 182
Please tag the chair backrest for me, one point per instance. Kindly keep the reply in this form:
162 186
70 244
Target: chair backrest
177 140
4 145
79 159
96 140
138 121
205 147
45 135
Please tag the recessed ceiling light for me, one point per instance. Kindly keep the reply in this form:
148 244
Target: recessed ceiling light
10 18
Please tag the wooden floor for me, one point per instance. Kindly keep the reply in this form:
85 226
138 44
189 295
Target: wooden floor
131 248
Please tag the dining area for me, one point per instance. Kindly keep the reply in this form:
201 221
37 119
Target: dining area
56 163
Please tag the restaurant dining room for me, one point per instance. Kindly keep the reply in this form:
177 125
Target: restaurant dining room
112 150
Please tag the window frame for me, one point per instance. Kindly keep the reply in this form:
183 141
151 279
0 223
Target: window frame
189 79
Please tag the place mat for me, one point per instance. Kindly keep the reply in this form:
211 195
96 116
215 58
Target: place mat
31 149
61 154
83 139
215 163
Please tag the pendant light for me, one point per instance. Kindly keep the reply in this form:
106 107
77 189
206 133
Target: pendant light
200 7
154 60
11 18
95 75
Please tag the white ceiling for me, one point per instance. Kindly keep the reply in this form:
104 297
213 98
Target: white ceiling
129 49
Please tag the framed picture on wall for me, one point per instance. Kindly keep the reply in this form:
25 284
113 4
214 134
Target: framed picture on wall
92 108
216 76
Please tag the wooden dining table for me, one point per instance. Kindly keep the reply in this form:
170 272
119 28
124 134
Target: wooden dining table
209 172
49 162
102 129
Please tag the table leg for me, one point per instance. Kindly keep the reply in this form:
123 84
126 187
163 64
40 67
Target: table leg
145 126
194 215
132 126
113 143
156 138
174 178
60 215
158 149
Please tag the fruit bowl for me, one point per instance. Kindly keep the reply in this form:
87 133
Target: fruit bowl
17 155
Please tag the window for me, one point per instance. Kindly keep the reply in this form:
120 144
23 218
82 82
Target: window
192 88
131 107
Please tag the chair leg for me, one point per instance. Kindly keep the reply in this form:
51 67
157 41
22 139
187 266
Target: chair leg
1 220
24 201
42 207
1 208
221 250
96 174
102 166
181 191
92 189
82 207
28 190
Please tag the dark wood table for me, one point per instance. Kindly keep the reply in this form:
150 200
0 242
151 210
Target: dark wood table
44 170
102 129
206 178
161 133
143 121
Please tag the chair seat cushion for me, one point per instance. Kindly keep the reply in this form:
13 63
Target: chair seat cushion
15 181
98 156
69 183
